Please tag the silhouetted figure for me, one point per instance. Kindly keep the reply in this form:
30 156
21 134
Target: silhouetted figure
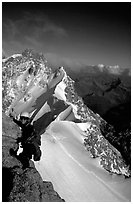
30 140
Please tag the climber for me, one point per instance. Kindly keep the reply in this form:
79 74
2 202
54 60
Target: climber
30 140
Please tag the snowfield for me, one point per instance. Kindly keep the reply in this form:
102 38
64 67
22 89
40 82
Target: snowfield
76 176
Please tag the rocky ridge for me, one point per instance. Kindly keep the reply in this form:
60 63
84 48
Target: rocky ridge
24 185
32 70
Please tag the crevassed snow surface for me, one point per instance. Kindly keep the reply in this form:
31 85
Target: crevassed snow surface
76 176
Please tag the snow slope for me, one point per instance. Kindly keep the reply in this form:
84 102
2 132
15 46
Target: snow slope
76 176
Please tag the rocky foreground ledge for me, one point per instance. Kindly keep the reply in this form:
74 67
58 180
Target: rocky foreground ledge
20 185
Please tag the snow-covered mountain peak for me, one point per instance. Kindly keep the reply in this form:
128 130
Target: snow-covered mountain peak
29 84
101 65
108 66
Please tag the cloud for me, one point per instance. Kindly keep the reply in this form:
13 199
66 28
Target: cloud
32 29
56 60
56 30
4 54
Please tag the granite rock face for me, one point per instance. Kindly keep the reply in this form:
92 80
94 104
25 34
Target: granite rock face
21 185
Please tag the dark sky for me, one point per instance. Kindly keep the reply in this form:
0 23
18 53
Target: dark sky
82 33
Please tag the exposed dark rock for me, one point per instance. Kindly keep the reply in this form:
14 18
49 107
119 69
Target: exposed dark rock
120 140
21 185
30 187
7 177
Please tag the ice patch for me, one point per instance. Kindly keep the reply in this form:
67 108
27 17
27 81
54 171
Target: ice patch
83 126
60 91
20 149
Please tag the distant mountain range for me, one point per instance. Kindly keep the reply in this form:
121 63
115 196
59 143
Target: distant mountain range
106 90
